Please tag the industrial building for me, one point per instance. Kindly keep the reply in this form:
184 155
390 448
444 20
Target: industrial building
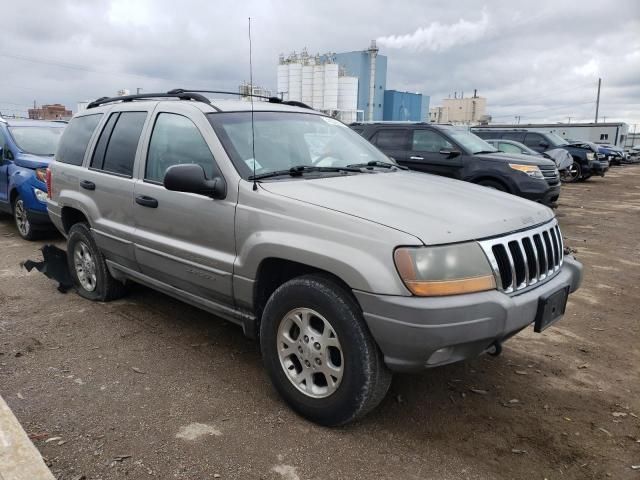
246 90
361 80
615 133
50 112
463 110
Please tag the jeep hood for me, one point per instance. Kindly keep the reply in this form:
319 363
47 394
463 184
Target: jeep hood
28 160
437 210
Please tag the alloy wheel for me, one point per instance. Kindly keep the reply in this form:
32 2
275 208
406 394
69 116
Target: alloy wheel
85 267
310 353
22 222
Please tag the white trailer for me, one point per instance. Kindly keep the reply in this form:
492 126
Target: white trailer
610 132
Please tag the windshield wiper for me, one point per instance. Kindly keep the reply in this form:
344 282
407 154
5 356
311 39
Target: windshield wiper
377 163
299 170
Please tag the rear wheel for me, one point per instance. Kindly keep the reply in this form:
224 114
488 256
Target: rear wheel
88 268
572 173
24 226
319 353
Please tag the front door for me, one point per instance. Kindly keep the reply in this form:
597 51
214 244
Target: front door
431 152
183 239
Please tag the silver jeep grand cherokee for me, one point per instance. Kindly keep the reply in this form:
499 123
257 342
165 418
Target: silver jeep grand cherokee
288 223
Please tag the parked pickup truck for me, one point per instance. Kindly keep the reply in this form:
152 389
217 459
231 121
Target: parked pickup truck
345 266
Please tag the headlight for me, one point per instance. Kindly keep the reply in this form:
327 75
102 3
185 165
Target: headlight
446 270
591 156
40 195
41 174
531 170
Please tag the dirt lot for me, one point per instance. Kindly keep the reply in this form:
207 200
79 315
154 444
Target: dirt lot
148 387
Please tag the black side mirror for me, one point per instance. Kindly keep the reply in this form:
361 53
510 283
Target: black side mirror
191 178
450 153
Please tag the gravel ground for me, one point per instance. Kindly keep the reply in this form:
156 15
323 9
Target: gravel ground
148 387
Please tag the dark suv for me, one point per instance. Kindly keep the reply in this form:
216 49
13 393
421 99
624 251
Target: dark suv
586 162
457 153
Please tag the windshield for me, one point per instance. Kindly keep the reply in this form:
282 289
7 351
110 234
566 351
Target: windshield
556 140
37 140
470 141
284 140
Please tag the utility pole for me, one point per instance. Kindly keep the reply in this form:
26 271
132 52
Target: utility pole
568 119
138 90
598 99
518 119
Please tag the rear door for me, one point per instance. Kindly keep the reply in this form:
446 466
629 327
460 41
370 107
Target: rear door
108 184
430 153
183 239
394 142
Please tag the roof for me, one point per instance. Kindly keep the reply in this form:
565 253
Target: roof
24 122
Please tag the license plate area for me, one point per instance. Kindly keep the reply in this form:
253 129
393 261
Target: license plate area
550 309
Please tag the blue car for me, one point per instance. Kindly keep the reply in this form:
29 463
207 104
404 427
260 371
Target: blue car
26 148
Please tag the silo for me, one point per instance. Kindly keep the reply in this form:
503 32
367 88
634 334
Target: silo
295 82
283 81
318 87
348 93
307 84
330 86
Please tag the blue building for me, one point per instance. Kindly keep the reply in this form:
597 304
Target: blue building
359 64
405 106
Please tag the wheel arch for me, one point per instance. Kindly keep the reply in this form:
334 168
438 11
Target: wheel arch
493 179
70 216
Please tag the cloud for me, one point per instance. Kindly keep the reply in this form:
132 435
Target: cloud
438 37
589 69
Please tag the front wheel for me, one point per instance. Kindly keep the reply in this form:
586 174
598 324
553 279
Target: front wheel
493 184
572 173
319 353
24 226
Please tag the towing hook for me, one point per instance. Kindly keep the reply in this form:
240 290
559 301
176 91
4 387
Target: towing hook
495 349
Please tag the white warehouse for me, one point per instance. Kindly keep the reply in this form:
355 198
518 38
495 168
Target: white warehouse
320 83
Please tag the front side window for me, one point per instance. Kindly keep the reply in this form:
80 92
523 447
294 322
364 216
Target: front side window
37 140
429 141
75 139
470 142
286 139
176 140
116 149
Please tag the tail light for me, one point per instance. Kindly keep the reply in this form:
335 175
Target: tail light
49 183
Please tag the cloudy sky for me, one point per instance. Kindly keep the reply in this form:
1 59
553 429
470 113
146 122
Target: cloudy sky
536 59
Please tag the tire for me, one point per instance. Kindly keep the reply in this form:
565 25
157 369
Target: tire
493 184
24 226
572 174
359 378
88 268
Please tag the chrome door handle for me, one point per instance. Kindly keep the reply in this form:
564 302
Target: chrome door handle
416 158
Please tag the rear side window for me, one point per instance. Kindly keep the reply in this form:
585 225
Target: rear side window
118 142
75 139
391 139
508 148
176 140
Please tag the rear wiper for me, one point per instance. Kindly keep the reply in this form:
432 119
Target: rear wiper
298 170
377 163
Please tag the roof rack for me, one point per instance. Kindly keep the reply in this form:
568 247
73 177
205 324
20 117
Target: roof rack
292 103
142 96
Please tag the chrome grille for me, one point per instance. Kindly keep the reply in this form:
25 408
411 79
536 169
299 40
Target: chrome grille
550 174
524 259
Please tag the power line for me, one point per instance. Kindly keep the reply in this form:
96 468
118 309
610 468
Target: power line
525 114
547 96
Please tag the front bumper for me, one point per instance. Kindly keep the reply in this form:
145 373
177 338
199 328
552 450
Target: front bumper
39 218
415 333
600 167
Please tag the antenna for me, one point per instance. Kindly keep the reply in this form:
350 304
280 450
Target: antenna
253 133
